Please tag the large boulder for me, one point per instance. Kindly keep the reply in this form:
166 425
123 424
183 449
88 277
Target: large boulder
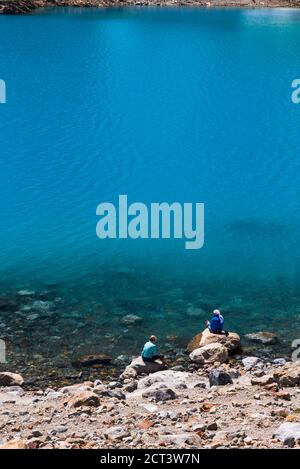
194 343
231 341
10 379
210 353
139 367
288 375
170 378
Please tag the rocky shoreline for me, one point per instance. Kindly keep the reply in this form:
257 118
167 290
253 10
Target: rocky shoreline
26 6
220 400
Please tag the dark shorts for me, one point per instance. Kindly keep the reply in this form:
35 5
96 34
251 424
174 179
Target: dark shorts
152 359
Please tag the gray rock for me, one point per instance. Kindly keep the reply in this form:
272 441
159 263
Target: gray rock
200 384
117 393
289 441
59 429
279 361
288 430
250 362
116 433
212 426
130 387
160 395
219 377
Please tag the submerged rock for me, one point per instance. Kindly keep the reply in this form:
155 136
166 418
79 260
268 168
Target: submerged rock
92 360
210 353
7 304
264 338
26 293
10 379
131 319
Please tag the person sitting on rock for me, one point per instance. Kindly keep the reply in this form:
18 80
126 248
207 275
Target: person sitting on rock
149 351
215 325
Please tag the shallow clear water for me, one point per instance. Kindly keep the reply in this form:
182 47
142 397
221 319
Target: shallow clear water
163 105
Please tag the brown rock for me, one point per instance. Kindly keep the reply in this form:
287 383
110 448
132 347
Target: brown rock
263 380
194 343
288 375
283 395
231 342
210 353
86 398
14 444
10 379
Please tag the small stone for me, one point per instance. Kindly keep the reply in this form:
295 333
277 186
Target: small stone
289 441
60 429
250 362
212 426
87 398
279 361
219 377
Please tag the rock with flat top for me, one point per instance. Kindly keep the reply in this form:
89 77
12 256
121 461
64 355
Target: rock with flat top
170 378
231 341
139 367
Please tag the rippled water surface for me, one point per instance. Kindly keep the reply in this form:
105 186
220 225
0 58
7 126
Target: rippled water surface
163 105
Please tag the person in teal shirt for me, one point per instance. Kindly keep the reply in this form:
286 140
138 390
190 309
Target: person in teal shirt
149 352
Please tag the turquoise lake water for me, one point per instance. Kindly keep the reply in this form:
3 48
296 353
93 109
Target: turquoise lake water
163 105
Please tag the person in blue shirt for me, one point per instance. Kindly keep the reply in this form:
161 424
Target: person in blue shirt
215 325
149 352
